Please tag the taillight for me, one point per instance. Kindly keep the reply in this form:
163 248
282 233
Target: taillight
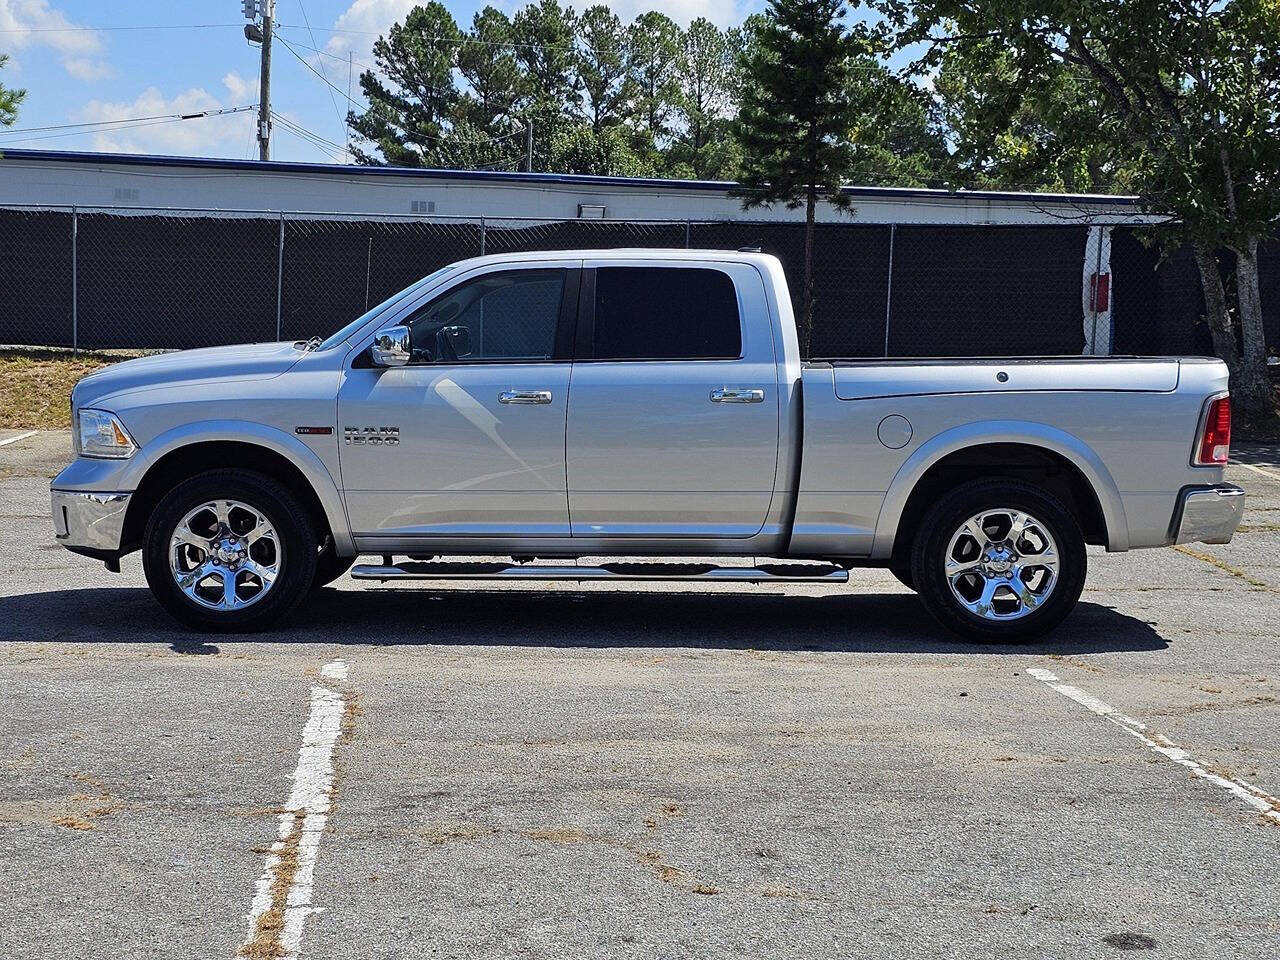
1215 443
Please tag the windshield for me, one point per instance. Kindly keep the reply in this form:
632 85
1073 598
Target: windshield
339 336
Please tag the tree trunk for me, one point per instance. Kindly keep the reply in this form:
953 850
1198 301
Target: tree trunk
1215 307
806 311
1250 383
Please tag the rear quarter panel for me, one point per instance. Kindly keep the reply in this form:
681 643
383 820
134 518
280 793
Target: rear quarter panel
1129 426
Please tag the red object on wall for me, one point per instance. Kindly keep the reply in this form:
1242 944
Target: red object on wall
1100 292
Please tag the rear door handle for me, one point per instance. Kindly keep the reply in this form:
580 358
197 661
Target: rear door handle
737 395
524 396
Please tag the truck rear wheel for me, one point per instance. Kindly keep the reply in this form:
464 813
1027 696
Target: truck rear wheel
999 560
229 551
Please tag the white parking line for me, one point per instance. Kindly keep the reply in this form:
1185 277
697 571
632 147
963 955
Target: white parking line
1265 473
282 899
334 670
21 436
1264 803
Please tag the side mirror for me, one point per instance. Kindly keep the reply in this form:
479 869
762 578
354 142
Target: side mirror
390 347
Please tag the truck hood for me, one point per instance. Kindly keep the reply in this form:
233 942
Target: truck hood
253 361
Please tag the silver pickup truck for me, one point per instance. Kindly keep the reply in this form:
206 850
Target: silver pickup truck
545 408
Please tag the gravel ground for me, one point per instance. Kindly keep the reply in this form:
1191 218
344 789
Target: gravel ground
587 771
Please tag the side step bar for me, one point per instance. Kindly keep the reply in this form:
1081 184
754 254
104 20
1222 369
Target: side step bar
762 573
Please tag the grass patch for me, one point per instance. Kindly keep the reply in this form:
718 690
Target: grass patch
269 928
35 386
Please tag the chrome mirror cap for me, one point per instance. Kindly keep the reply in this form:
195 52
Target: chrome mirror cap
390 347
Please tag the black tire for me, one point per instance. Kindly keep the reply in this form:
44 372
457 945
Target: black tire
903 575
297 543
944 520
329 567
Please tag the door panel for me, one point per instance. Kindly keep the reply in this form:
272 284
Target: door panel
673 448
479 414
467 463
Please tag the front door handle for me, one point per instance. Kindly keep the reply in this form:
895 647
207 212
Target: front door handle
524 396
737 395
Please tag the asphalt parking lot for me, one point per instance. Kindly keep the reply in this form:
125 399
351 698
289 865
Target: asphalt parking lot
652 772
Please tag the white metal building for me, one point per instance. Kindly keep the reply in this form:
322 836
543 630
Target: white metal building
51 177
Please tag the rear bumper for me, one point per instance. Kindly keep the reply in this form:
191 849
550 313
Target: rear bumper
87 522
1208 514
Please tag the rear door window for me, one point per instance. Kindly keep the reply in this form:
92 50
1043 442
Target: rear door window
666 313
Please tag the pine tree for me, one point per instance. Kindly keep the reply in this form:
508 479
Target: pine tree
412 97
796 117
9 99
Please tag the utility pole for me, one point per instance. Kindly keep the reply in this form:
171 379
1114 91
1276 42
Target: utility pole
528 145
346 150
261 34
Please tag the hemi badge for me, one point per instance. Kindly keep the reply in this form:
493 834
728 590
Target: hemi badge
326 431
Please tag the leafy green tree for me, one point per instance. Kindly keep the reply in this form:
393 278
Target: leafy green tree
796 116
601 66
1188 96
408 116
898 137
9 99
609 152
1008 134
704 146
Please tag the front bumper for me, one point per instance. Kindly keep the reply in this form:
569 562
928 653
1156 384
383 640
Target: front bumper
91 523
1208 514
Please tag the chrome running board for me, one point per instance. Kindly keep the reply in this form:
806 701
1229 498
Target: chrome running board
763 573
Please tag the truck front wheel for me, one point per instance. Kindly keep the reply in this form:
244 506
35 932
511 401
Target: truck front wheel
999 560
229 550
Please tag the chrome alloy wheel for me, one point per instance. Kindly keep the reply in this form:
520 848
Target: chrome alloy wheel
225 555
1002 564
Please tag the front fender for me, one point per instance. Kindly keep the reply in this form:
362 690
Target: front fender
126 476
1024 432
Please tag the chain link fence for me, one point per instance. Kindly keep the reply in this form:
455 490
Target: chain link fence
105 278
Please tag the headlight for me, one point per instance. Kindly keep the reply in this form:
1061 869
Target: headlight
103 435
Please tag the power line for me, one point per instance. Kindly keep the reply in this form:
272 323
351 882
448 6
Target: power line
163 117
156 26
396 114
304 132
325 80
463 39
122 126
328 155
324 76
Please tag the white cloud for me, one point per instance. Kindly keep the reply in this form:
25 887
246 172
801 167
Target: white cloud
226 136
723 13
239 89
86 68
364 19
28 24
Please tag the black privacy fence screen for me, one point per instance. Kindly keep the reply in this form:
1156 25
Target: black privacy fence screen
105 278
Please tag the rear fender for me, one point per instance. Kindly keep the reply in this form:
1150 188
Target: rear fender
1028 433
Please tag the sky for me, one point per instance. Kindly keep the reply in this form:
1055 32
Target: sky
83 61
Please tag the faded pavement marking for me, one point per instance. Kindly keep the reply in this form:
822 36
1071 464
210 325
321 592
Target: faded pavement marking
1264 803
21 436
282 899
1265 473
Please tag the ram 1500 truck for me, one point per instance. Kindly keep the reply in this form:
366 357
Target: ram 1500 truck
543 408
